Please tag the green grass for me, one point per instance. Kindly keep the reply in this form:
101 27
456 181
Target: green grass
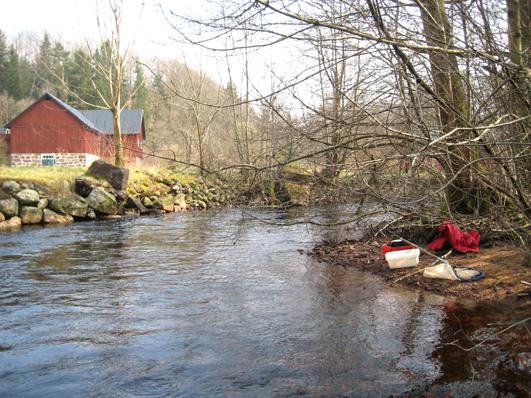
60 179
42 175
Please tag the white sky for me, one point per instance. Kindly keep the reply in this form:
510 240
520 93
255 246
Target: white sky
76 20
143 25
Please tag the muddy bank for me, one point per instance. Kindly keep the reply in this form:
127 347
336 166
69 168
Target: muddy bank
501 262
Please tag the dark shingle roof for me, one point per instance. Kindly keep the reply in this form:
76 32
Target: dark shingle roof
73 111
131 120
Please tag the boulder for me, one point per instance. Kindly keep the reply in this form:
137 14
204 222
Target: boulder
73 205
102 201
9 207
135 203
27 197
2 217
51 217
91 214
84 186
165 203
43 191
147 202
12 224
30 215
180 202
11 187
117 176
291 194
43 203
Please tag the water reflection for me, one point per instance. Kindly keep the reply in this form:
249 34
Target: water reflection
204 304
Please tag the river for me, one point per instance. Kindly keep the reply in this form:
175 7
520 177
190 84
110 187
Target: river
220 304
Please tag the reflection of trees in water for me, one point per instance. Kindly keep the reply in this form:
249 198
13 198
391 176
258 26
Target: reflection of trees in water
94 251
495 360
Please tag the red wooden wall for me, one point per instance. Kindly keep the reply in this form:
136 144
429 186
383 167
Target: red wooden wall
46 127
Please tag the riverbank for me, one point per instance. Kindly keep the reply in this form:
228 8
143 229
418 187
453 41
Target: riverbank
501 262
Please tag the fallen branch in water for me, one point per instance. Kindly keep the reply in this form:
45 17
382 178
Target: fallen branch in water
456 344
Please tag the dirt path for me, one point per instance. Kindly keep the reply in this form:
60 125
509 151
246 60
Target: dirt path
501 263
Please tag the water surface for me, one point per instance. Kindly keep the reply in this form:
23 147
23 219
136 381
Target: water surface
211 304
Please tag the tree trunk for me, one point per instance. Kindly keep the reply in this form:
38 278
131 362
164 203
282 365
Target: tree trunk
465 193
118 143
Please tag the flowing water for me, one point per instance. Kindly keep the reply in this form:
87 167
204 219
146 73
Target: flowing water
219 304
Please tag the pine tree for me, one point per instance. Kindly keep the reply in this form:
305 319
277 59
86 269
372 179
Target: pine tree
11 78
3 60
139 86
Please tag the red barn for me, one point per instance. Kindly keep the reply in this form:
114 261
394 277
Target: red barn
50 132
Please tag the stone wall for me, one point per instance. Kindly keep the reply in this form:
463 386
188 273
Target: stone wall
61 159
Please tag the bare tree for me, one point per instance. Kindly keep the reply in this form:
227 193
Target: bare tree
104 68
426 87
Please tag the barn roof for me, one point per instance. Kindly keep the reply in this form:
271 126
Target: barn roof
131 120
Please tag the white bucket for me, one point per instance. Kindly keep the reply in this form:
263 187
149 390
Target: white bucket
403 258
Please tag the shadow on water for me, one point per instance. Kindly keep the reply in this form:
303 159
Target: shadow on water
218 303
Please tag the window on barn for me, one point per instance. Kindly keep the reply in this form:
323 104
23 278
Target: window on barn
48 159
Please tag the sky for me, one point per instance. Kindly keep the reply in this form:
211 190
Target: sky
145 25
74 21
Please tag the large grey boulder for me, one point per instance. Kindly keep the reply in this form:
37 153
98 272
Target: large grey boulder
102 201
73 205
11 187
51 217
27 197
30 215
9 207
117 176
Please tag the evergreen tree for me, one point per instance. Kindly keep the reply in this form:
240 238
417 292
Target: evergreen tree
3 60
11 79
27 79
139 86
80 72
43 64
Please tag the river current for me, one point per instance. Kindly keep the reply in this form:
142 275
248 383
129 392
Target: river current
208 304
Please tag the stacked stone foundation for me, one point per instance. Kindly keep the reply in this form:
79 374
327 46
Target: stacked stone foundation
61 159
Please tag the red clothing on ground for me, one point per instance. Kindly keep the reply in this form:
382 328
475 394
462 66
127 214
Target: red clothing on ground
451 235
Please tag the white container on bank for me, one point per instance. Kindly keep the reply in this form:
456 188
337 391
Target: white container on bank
403 258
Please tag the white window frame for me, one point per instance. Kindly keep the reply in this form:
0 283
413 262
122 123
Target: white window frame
47 156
